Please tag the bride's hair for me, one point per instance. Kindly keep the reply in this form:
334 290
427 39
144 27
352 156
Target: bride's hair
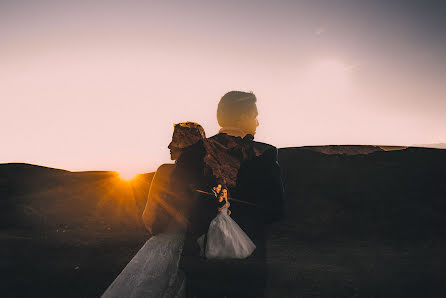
233 105
186 134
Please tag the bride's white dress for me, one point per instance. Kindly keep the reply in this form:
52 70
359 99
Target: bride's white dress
226 240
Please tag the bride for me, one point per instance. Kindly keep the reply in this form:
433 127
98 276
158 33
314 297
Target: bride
167 210
225 238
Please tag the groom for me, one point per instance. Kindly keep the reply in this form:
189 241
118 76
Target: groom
258 182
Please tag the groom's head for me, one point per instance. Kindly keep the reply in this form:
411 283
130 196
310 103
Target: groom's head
238 109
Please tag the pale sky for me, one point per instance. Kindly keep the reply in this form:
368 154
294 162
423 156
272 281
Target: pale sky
98 86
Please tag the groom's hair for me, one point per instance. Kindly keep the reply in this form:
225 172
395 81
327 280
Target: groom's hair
233 105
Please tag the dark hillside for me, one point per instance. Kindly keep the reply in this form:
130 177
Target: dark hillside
365 225
67 233
340 149
380 195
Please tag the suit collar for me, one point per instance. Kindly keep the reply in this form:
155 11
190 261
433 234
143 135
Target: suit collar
232 131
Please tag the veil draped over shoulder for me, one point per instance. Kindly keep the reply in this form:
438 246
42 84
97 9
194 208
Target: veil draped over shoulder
201 166
224 155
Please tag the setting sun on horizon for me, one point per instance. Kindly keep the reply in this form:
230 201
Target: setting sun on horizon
128 175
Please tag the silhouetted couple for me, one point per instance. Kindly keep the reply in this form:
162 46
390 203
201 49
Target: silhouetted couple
209 176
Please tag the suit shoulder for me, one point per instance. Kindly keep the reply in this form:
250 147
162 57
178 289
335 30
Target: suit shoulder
264 148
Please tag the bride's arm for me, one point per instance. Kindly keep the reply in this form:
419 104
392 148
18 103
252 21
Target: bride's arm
154 216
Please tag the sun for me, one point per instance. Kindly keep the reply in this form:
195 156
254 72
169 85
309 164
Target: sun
127 176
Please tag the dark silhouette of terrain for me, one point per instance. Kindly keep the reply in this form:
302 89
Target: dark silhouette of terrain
381 195
342 149
359 221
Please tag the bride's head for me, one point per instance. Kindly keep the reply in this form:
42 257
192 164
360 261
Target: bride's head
184 135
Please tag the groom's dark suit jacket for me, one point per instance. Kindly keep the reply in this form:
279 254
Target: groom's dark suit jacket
258 181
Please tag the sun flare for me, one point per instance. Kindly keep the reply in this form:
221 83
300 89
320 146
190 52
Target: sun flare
127 176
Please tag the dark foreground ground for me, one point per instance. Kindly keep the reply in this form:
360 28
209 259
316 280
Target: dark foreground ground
33 268
363 223
354 268
296 268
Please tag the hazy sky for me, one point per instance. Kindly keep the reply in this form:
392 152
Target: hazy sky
98 86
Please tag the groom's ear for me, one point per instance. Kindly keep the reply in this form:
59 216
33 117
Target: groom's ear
242 119
248 115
